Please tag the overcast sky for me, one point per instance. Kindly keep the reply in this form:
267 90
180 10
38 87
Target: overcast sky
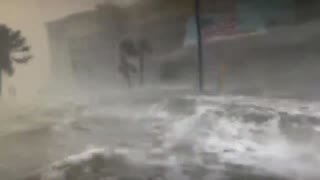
53 9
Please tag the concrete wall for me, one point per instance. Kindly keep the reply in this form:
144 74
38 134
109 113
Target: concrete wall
83 53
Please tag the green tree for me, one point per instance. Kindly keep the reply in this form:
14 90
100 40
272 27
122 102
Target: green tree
13 49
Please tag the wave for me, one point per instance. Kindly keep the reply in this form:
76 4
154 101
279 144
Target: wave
194 135
263 133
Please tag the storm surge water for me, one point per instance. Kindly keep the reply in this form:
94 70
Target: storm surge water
271 136
184 137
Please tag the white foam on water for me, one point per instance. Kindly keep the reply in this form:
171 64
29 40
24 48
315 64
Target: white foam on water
212 128
261 145
78 158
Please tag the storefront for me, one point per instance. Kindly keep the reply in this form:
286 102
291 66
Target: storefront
234 17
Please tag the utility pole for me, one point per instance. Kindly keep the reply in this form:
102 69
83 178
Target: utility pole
141 68
199 45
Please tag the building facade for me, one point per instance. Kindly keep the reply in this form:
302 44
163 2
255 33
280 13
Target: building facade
84 46
85 51
84 55
262 45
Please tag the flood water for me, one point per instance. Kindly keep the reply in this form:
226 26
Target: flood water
163 136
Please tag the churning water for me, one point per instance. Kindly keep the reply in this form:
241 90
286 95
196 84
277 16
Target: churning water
168 137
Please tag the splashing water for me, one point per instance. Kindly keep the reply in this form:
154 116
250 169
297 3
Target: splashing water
188 137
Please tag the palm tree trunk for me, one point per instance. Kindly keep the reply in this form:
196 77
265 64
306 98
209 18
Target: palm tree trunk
141 64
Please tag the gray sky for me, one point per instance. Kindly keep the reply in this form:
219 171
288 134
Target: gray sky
53 9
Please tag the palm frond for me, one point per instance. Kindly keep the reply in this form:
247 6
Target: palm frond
22 60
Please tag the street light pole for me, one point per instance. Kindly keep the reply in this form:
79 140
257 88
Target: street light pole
199 45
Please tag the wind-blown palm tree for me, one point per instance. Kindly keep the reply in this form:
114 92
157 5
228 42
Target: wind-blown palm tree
127 49
139 49
13 49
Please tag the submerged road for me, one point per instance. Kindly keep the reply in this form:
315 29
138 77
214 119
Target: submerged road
166 136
